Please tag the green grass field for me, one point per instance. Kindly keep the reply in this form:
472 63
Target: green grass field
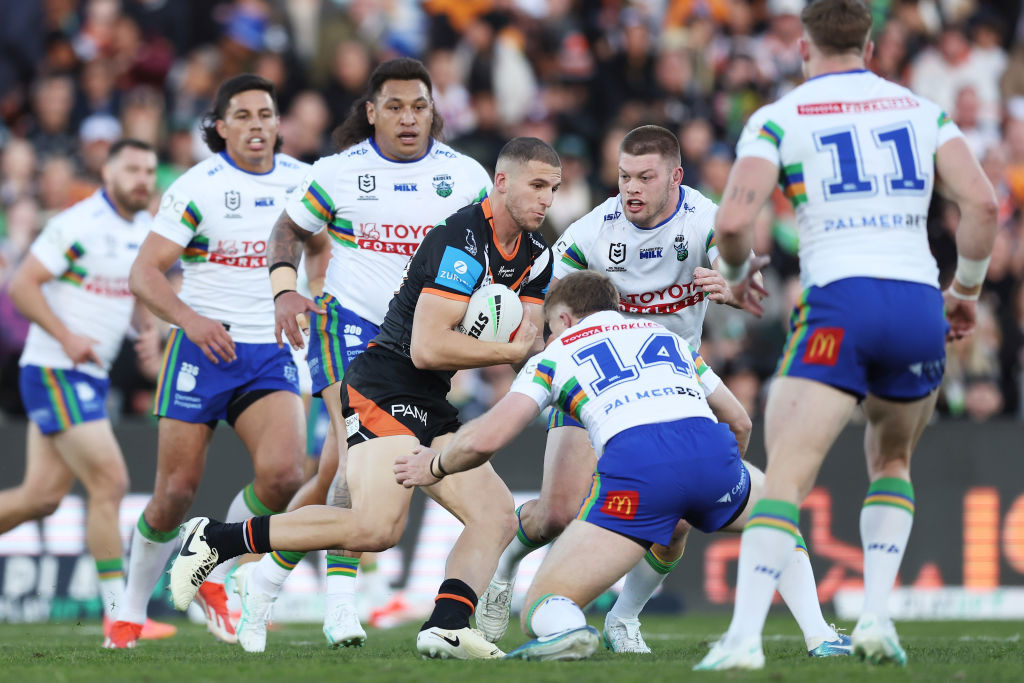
938 651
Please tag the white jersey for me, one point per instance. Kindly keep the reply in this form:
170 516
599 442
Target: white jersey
223 216
89 249
651 267
377 211
857 160
611 373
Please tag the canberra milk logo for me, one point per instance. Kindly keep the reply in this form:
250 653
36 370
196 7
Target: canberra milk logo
187 374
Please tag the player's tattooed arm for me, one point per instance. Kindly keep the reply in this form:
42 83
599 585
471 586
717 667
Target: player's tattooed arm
287 240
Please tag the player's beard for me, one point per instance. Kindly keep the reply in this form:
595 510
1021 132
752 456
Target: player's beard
653 210
129 199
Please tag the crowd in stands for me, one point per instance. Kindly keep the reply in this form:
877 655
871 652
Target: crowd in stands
77 75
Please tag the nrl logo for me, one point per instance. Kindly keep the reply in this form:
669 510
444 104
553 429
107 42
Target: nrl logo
367 183
617 252
232 200
681 247
443 185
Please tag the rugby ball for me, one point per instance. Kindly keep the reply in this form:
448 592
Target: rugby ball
493 314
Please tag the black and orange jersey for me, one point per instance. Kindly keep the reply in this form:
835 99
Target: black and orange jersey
458 257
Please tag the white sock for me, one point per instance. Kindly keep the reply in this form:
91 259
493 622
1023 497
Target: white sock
554 614
641 582
272 570
765 550
341 580
149 554
885 523
244 505
800 593
520 547
111 579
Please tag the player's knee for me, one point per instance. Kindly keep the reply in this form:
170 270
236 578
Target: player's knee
553 520
111 485
175 498
380 537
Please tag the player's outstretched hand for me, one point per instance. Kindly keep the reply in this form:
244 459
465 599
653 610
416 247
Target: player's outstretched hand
522 343
290 311
79 349
961 315
749 292
414 469
211 338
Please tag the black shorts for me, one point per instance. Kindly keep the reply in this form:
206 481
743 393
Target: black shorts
384 394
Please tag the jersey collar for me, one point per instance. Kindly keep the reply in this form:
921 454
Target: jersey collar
231 162
838 73
110 202
373 143
682 193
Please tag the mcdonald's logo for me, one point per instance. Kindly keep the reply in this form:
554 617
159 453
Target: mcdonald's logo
621 504
823 346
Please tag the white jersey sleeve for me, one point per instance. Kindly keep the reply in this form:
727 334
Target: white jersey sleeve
377 211
55 245
533 381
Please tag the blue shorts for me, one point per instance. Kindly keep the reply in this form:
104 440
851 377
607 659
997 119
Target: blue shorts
317 424
866 335
557 418
651 476
335 338
192 389
57 400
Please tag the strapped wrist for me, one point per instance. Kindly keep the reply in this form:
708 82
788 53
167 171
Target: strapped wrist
733 275
283 278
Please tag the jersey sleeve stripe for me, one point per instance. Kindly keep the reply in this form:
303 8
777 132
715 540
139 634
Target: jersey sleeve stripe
792 178
341 232
74 252
944 119
482 195
712 241
573 398
74 275
531 300
771 132
318 202
191 217
698 363
197 250
544 375
573 257
447 295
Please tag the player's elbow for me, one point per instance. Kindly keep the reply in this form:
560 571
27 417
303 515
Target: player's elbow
424 356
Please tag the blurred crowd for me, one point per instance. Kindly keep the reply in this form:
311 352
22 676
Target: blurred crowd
77 75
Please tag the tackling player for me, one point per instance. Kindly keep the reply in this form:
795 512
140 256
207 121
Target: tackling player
394 399
858 157
221 361
378 197
73 287
648 402
656 242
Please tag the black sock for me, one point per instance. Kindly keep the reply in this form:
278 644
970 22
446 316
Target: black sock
237 538
453 606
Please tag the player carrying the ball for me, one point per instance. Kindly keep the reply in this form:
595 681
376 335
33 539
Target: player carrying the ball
394 399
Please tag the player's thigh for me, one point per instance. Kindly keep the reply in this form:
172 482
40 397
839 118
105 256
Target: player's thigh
371 481
272 431
893 430
93 454
802 420
584 563
569 462
474 495
47 476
